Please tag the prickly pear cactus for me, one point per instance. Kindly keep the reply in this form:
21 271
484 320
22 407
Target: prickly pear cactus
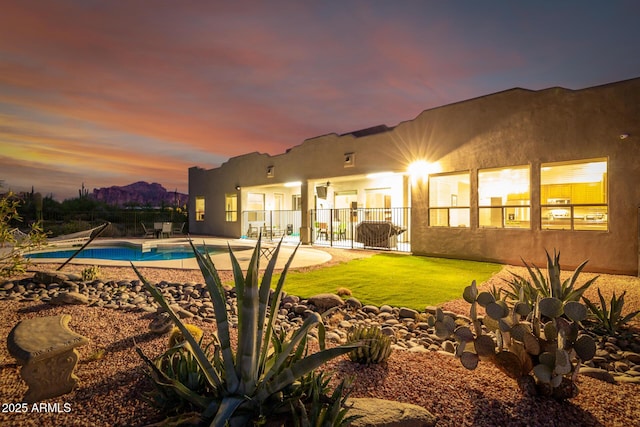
376 348
542 342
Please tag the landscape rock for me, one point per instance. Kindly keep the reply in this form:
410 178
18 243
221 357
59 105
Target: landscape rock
387 413
325 301
407 313
69 298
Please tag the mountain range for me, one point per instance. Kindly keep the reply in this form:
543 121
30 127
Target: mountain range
140 193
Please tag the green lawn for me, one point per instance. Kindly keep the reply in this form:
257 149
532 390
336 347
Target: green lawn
394 279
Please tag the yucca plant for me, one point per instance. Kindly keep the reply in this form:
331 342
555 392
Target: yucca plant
250 379
609 319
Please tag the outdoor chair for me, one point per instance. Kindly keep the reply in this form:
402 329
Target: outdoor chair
322 230
177 228
148 232
252 232
165 230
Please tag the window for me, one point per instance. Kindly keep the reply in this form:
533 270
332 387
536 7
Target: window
255 206
296 202
573 195
231 207
449 199
503 197
199 208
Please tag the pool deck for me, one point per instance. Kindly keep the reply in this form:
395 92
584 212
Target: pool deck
305 256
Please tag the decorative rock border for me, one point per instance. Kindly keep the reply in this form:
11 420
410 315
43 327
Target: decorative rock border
617 358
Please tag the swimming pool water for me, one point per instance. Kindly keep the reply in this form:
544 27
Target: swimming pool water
125 253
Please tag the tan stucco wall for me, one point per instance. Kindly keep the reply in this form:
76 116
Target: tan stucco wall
515 127
530 128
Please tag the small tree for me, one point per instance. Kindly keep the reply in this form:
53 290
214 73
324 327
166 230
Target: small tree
13 242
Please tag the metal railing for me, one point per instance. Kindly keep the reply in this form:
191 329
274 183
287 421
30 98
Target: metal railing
124 222
346 227
273 224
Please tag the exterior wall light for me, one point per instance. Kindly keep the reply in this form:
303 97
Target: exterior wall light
421 169
237 188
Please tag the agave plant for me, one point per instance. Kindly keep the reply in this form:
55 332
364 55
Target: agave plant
525 290
250 379
610 319
376 348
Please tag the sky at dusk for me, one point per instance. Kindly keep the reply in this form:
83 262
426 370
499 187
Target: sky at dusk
113 92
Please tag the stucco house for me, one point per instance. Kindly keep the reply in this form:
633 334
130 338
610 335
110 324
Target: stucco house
498 178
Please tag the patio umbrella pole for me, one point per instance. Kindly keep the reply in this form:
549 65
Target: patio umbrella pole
93 236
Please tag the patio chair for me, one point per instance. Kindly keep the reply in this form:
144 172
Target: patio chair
252 232
177 227
148 232
323 230
165 230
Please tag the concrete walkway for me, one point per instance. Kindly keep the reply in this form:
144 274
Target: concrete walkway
242 248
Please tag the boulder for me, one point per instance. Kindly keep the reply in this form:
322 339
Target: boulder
407 313
49 277
353 302
387 413
69 298
597 373
325 301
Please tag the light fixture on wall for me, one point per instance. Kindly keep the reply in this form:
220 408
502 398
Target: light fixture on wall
624 135
270 172
237 188
349 160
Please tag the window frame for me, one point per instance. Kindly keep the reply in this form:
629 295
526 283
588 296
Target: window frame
231 211
566 207
454 200
199 212
505 208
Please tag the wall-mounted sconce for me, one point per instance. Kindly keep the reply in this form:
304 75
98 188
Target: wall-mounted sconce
328 184
624 135
237 188
270 171
349 160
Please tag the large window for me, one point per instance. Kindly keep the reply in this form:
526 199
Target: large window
199 208
255 206
503 197
231 207
573 195
449 200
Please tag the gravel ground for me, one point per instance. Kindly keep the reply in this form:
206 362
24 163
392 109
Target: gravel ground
111 373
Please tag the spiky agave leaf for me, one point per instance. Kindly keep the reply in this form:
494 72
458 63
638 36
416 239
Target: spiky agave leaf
217 295
181 390
248 308
209 371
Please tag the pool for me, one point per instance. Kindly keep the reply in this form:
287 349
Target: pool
131 253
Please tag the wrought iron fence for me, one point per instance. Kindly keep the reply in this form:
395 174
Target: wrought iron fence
381 228
124 222
273 224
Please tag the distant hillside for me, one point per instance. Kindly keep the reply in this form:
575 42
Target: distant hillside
140 193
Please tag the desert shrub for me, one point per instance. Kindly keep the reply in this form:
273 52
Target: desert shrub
263 378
